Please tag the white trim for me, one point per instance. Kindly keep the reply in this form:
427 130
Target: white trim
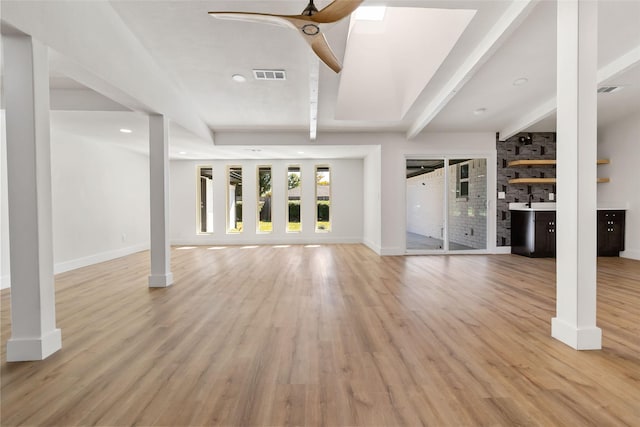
73 264
5 281
34 348
292 239
630 254
375 248
392 251
578 338
502 250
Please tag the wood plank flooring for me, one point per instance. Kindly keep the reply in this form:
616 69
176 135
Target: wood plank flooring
330 335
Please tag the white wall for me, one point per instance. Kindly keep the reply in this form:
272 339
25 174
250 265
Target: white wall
4 210
619 143
100 201
395 150
372 181
346 202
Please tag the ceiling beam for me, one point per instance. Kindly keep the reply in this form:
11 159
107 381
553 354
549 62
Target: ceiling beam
82 100
98 49
614 68
314 83
511 19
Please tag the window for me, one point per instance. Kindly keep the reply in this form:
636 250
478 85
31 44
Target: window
234 199
294 193
462 181
205 200
323 199
264 200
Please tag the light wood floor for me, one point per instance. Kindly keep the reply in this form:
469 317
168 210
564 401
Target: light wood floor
332 335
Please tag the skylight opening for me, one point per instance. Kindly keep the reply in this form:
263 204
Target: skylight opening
370 13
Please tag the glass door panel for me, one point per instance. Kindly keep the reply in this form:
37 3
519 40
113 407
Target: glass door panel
467 204
425 185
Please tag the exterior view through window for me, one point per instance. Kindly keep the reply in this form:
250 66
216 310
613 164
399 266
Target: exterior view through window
205 200
264 200
323 199
294 191
234 199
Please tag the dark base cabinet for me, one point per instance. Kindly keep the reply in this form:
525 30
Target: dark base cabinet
533 233
610 233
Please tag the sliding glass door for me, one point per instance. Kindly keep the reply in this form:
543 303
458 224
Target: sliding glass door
446 204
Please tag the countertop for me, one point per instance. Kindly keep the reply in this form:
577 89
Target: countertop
551 206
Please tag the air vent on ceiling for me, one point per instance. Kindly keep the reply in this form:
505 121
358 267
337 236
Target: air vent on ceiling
609 89
269 75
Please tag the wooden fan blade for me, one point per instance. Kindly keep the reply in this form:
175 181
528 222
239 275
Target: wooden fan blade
324 52
335 11
262 18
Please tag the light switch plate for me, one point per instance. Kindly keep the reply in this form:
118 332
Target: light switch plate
552 196
502 195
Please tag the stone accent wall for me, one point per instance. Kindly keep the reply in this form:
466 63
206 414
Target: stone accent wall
542 145
468 215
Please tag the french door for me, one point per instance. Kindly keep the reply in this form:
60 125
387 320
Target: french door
446 205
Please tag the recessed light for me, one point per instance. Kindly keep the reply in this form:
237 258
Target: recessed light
521 81
370 13
300 152
182 152
479 111
239 78
125 130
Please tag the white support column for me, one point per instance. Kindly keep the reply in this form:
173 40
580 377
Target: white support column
34 335
161 275
575 321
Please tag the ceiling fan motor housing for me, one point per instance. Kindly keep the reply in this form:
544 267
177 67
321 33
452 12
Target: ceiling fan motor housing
310 10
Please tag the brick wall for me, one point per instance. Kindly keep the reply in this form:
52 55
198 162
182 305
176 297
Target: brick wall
542 145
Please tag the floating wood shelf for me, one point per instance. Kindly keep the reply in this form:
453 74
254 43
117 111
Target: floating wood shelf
542 180
532 181
544 162
532 163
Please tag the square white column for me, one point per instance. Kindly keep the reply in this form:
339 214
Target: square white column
34 335
576 252
161 275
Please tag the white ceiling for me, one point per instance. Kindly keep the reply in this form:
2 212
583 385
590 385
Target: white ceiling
199 55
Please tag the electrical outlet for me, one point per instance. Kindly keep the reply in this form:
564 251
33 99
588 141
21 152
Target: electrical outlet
552 196
502 195
124 237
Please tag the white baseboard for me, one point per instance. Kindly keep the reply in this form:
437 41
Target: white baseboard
62 267
5 281
289 240
375 248
631 254
392 251
502 250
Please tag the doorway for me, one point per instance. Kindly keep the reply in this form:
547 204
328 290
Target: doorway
446 205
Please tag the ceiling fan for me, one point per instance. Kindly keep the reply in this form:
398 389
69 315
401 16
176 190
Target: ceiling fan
308 24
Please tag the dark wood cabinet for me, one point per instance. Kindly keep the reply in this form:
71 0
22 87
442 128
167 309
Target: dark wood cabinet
610 232
533 233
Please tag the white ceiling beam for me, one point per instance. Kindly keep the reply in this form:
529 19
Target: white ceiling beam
619 65
82 100
314 83
511 19
614 68
105 55
540 112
